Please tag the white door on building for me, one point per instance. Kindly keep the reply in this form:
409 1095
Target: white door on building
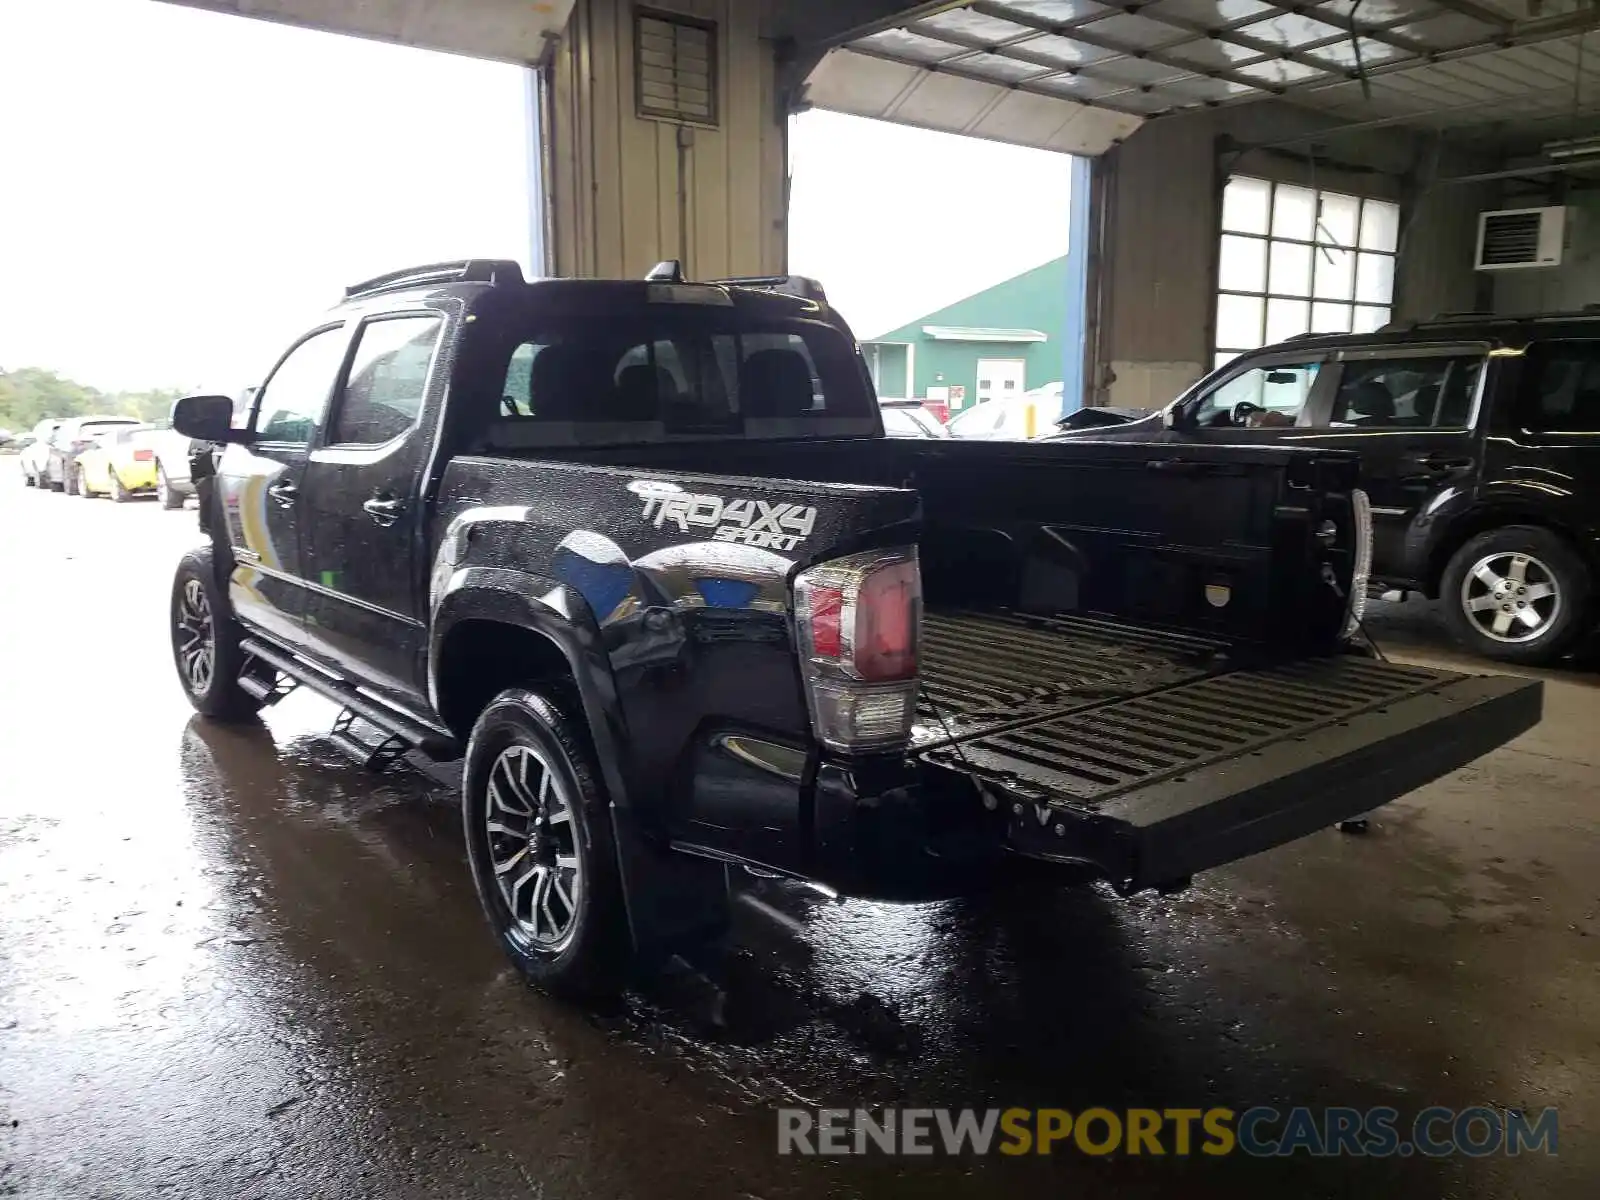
1001 378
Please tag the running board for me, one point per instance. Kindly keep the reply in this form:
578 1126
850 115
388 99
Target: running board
413 733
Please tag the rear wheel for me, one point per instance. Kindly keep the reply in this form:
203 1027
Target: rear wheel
538 833
70 481
119 494
1518 594
205 642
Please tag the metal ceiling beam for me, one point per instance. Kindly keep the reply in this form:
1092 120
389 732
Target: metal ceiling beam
1237 35
1478 12
961 72
1526 34
1016 50
1266 49
1416 118
895 20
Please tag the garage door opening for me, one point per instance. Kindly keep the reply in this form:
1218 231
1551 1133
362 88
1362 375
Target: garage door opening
950 257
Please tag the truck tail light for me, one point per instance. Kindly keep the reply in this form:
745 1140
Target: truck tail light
859 620
1362 575
143 455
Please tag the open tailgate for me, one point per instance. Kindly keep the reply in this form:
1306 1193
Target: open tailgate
1145 754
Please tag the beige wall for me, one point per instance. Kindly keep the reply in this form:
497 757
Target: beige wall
620 202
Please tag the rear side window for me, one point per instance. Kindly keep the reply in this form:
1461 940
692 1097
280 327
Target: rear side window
388 377
707 371
1561 393
1407 393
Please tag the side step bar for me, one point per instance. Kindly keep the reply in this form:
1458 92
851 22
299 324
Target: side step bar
395 724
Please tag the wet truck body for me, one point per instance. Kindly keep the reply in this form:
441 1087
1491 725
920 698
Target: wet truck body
890 667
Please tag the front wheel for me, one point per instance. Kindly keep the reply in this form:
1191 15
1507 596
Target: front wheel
205 642
1518 594
538 833
167 498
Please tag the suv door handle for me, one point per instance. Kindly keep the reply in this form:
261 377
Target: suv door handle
384 510
283 493
1443 462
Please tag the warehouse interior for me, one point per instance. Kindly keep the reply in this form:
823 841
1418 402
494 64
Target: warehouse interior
664 137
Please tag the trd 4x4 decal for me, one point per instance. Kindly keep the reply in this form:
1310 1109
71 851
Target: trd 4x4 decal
776 524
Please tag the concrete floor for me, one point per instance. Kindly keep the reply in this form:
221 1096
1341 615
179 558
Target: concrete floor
232 964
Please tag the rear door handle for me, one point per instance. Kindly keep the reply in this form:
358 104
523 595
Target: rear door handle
384 510
284 494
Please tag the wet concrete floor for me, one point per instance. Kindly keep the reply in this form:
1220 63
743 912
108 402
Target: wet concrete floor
232 964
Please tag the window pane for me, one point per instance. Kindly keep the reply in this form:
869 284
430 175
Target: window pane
1239 321
1380 225
1292 211
388 375
1338 223
1285 318
1407 393
1563 391
1242 265
1244 205
1330 318
1335 273
293 400
1368 318
1375 278
1277 394
1291 269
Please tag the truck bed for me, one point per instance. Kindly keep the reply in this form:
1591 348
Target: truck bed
1159 754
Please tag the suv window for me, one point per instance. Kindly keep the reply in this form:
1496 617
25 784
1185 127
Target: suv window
1407 393
388 375
291 403
1271 396
1562 394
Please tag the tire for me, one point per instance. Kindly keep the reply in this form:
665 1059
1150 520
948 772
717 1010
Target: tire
119 494
70 481
1519 594
199 612
525 752
164 493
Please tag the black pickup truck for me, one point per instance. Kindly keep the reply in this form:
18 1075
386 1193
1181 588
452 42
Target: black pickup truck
639 555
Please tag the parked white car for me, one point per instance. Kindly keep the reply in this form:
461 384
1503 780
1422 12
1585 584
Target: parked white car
1016 418
36 455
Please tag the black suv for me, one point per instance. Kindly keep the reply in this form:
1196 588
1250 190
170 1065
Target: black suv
1480 452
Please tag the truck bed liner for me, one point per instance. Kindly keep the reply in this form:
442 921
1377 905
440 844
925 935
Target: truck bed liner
1072 711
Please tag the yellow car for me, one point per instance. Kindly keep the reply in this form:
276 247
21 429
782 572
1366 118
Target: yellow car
121 463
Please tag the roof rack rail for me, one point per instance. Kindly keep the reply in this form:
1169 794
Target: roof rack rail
464 270
671 271
789 285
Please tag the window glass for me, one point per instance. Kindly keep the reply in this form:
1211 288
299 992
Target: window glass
1407 393
388 375
1259 398
292 402
1563 390
1283 245
683 373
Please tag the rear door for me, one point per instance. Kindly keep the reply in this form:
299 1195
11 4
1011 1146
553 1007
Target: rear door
1410 413
258 486
361 539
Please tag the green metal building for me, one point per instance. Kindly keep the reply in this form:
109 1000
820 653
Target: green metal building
996 343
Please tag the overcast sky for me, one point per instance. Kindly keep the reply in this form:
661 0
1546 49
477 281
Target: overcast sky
181 191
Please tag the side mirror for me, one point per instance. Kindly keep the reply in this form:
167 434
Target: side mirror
207 419
1177 417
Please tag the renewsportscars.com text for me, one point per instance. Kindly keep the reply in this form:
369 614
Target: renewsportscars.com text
1259 1131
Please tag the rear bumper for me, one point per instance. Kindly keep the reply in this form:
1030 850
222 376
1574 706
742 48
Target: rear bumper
1166 831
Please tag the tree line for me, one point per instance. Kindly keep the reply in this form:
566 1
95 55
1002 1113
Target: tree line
29 395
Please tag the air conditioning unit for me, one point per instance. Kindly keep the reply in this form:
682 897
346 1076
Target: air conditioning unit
1514 239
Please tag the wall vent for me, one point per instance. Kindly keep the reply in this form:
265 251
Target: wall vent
674 67
1519 238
